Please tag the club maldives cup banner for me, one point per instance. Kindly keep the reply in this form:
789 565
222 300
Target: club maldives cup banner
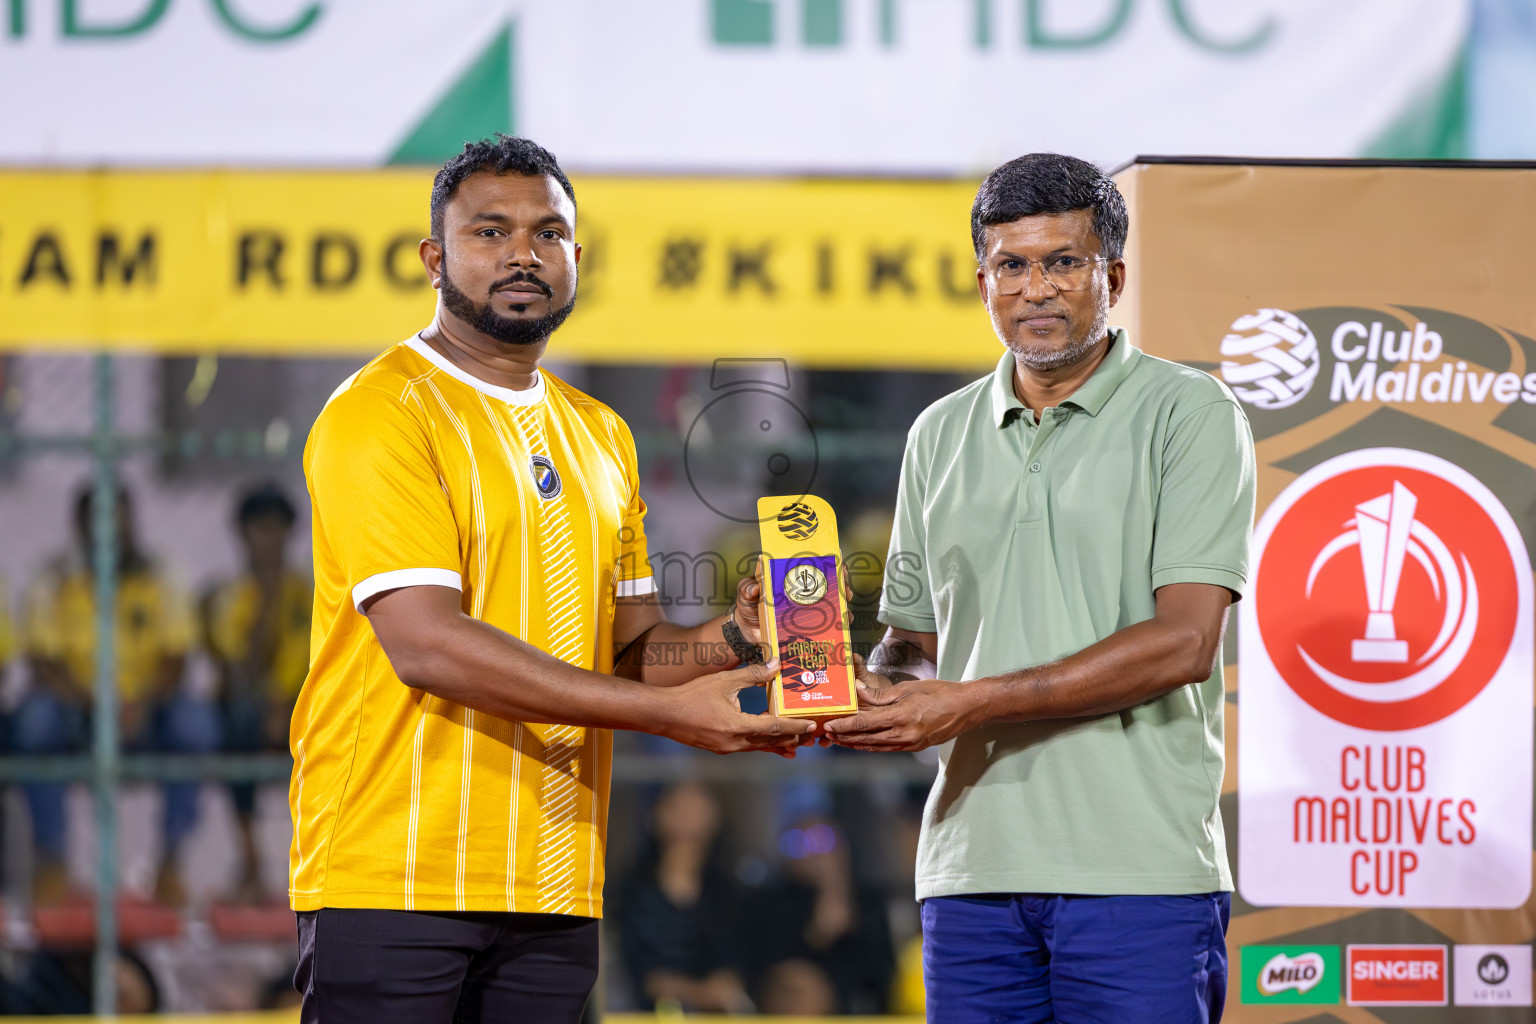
1377 326
1386 665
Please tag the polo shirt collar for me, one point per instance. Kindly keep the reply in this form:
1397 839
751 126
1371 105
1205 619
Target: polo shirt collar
1090 397
1003 398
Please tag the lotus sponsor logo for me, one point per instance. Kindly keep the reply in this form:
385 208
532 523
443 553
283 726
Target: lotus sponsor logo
1493 969
1493 975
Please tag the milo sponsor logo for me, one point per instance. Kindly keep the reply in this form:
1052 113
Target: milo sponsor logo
1291 974
1286 974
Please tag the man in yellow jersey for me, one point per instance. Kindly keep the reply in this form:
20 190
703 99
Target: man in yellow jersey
480 556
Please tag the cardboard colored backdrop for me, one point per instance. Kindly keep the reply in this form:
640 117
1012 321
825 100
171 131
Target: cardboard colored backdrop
1378 326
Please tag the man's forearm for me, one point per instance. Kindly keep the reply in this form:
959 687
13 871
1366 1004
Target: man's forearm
669 655
469 662
1132 666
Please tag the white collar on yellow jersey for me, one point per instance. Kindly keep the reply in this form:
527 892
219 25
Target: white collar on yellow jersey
530 396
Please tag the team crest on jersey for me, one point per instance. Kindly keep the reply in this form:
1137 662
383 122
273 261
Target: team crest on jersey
545 477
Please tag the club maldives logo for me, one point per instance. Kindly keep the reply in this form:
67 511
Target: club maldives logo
1271 359
1291 974
1387 587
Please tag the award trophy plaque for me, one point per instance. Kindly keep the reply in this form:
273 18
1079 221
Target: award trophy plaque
804 618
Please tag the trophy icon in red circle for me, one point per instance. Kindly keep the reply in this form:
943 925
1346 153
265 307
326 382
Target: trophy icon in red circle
1387 587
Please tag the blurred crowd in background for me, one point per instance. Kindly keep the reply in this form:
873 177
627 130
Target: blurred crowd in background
733 886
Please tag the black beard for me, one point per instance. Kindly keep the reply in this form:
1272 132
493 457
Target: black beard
487 321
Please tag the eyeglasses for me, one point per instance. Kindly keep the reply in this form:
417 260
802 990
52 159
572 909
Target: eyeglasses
1065 272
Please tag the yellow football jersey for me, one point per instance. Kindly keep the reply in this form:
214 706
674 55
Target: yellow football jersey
154 623
528 503
229 616
7 631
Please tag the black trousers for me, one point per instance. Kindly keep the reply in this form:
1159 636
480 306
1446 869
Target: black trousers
427 967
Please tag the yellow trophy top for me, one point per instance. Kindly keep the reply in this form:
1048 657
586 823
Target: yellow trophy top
791 525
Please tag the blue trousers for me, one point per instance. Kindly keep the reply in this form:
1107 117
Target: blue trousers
46 725
1037 959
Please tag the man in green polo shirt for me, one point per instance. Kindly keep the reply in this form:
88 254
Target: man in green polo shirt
1069 534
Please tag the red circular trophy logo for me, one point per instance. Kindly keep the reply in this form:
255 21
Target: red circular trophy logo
1387 587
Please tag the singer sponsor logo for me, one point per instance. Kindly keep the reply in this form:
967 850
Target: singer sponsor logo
1291 974
1397 976
1386 634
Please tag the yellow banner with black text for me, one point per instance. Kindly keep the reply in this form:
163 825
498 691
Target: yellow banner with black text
822 272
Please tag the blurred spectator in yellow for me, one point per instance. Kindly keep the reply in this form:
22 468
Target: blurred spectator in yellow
7 630
679 919
153 630
816 920
909 997
256 627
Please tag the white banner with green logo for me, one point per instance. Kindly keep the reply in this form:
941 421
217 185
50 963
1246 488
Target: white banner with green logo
775 86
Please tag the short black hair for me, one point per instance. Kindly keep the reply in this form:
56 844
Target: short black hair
504 154
263 502
1050 183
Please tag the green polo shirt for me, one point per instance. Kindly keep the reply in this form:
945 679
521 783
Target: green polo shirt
1020 543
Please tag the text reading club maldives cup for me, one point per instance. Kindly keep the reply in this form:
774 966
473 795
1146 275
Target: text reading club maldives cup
1385 691
806 622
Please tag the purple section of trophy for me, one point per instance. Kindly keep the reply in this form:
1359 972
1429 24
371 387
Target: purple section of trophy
809 635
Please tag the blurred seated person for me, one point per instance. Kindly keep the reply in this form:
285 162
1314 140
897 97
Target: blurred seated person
7 632
815 920
678 918
256 627
55 982
797 988
150 643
